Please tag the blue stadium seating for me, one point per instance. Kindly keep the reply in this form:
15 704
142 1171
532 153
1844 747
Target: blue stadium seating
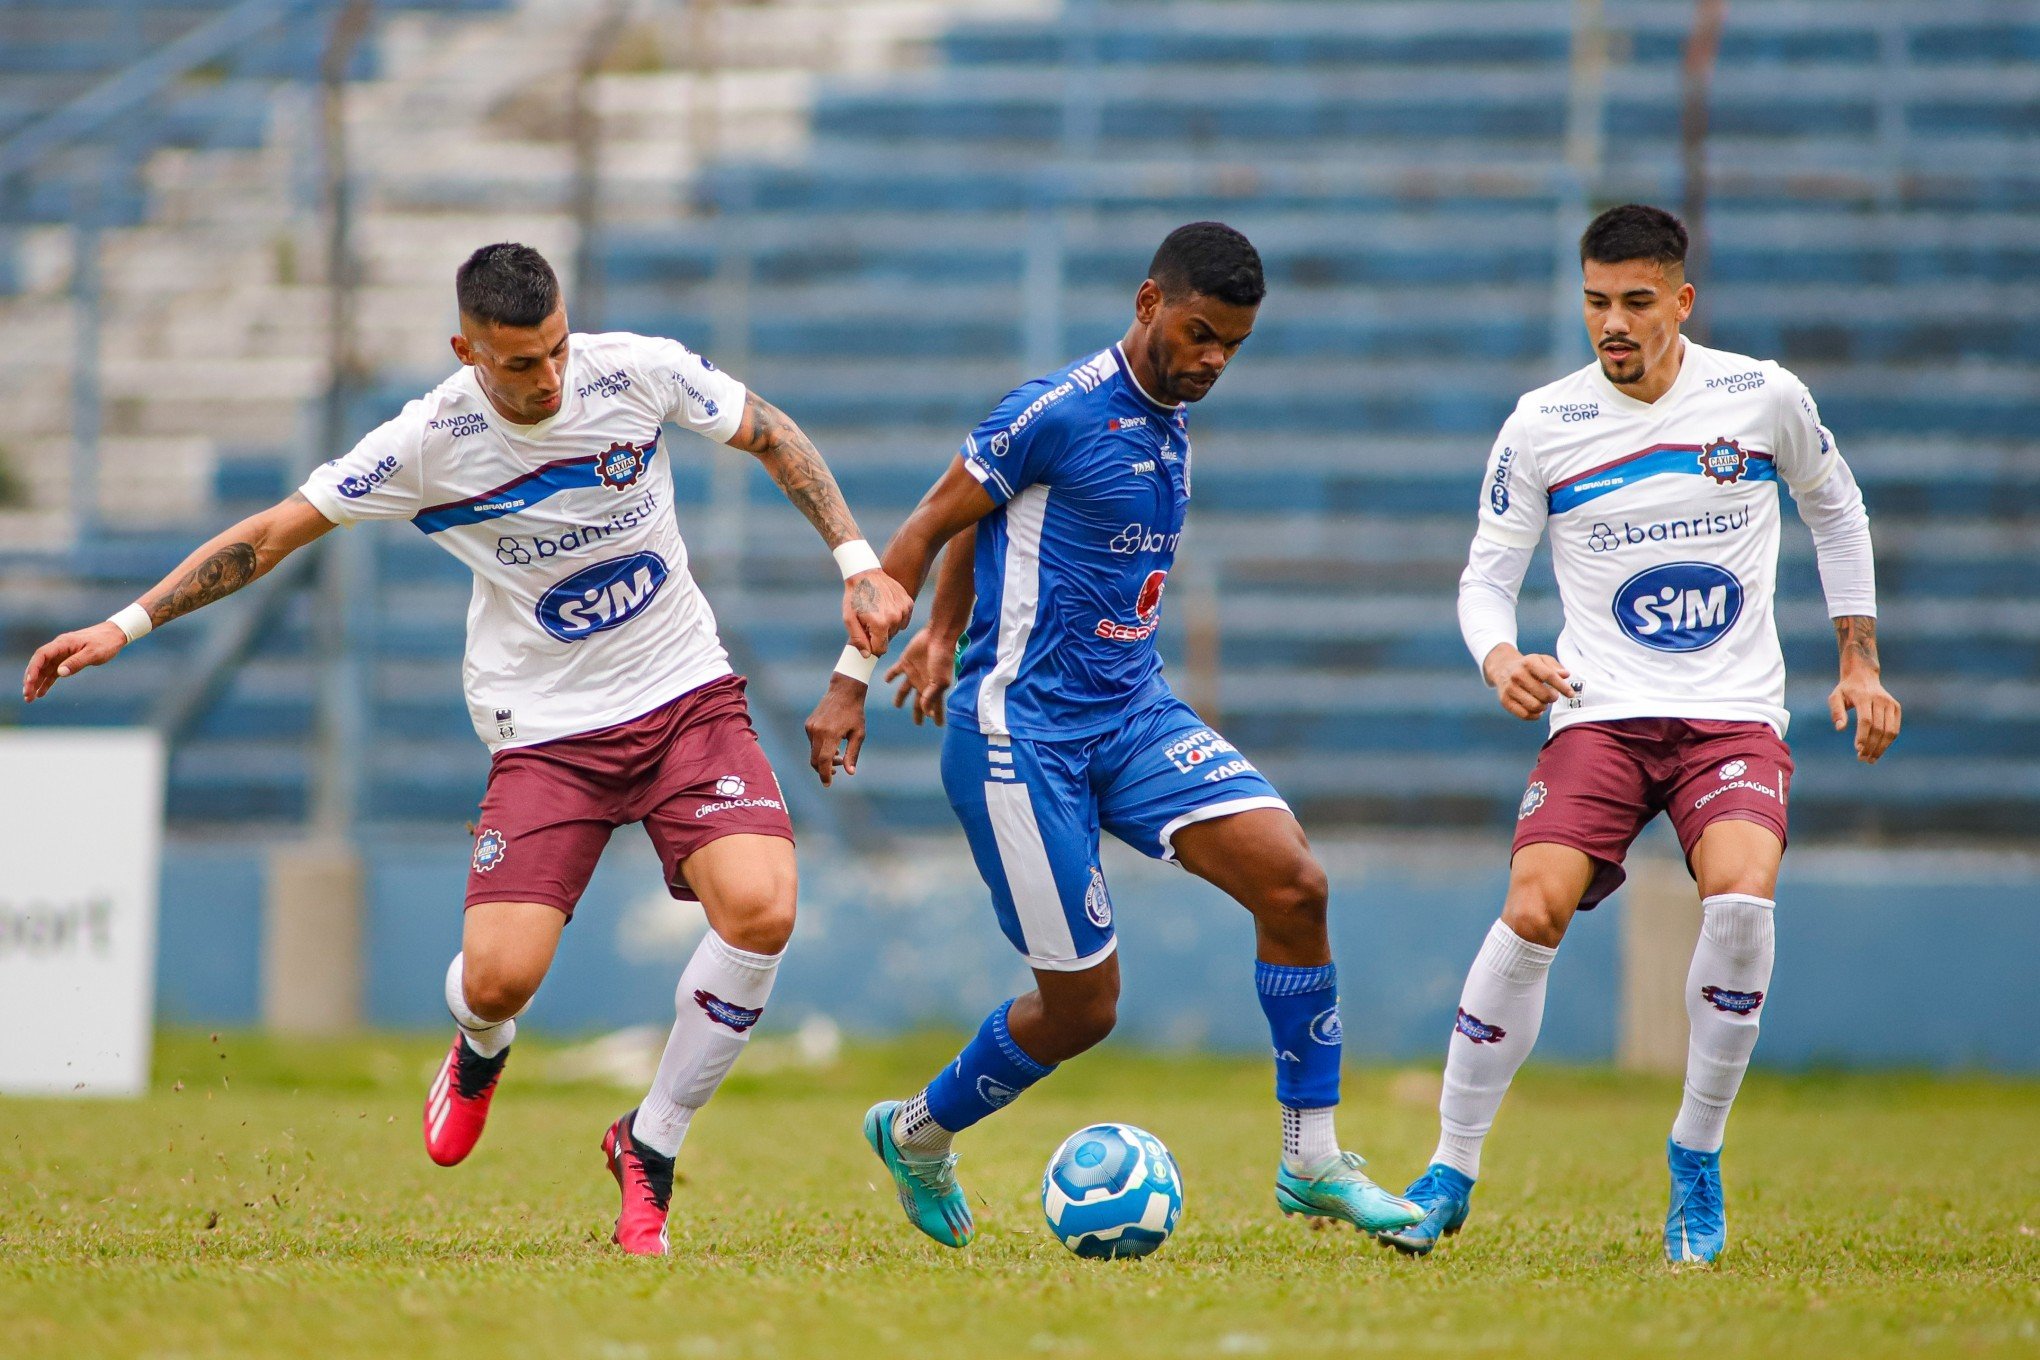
1400 166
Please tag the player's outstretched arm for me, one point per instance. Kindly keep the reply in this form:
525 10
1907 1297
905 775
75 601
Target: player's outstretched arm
836 728
927 668
874 606
220 566
1862 689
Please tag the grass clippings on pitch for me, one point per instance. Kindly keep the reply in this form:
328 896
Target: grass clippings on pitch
275 1201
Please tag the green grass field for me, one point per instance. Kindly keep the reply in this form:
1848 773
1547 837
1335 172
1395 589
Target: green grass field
274 1201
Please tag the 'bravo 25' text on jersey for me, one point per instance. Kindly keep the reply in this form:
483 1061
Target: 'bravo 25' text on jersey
584 613
1663 519
1092 478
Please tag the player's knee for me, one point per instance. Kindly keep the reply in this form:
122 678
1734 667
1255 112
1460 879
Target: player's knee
498 991
1535 915
761 924
1084 1021
1298 899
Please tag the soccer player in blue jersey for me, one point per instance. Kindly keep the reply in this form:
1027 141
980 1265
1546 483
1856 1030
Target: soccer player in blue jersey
1067 504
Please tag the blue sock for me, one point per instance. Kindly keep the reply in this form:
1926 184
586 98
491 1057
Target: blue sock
987 1076
1302 1006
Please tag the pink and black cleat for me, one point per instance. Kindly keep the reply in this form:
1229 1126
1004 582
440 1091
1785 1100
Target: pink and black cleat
646 1180
457 1106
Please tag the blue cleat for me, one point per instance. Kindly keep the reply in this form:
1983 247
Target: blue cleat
927 1186
1445 1195
1696 1223
1341 1191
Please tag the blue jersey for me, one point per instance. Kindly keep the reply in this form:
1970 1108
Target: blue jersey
1092 480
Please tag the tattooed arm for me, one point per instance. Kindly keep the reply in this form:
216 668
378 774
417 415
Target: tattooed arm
217 569
1862 688
790 456
874 606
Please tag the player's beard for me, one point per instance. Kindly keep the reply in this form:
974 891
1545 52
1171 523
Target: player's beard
1173 388
1621 379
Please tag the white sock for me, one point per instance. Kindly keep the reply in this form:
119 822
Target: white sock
486 1037
1724 998
915 1130
1500 1012
721 994
1309 1139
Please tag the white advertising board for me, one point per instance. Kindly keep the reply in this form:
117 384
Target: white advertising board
81 832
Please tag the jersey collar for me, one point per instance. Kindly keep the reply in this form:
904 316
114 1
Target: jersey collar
1133 383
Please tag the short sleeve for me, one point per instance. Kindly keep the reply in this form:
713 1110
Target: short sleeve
382 477
1513 504
1804 447
693 393
1019 442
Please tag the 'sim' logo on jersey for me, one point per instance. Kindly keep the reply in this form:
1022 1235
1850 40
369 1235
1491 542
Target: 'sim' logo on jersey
1680 606
604 596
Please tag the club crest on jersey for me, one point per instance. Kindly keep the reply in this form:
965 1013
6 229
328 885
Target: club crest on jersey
1478 1030
489 849
1724 461
727 1013
622 464
1735 1003
1533 799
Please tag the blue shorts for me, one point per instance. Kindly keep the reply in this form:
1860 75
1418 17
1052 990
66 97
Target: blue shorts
1033 809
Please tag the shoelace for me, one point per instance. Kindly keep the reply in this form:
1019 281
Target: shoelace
1701 1197
938 1176
473 1074
654 1182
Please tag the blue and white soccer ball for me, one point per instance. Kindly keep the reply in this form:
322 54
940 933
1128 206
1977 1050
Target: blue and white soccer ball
1112 1190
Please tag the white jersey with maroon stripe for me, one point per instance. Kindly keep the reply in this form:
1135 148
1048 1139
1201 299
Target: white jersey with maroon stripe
584 614
1663 519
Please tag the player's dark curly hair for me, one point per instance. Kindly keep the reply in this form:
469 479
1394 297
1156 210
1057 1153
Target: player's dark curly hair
1634 231
507 284
1211 259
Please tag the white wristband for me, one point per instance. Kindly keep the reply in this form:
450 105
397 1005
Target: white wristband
855 557
856 665
133 621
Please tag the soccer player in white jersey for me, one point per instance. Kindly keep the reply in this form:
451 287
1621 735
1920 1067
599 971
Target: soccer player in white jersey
1653 470
593 673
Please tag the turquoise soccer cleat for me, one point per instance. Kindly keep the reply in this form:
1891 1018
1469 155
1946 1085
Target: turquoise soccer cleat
1340 1191
1696 1222
1445 1195
927 1186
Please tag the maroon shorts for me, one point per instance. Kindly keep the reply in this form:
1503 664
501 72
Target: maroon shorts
690 770
1597 783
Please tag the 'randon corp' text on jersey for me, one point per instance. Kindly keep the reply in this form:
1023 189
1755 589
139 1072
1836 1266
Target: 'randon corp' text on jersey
1663 518
584 613
1092 478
